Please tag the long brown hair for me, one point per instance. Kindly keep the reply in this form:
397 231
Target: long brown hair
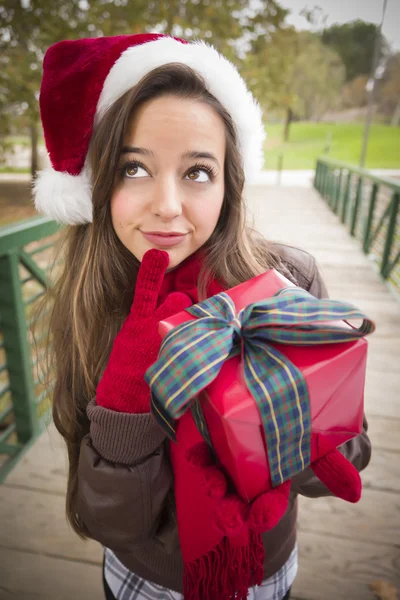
95 290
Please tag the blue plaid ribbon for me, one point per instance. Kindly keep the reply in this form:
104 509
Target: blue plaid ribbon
193 353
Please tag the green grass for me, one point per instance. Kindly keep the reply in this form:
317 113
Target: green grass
307 141
20 140
14 170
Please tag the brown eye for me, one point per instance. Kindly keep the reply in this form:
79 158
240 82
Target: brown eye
199 175
131 171
134 171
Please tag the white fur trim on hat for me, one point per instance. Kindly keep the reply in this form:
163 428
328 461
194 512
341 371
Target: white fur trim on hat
63 197
220 75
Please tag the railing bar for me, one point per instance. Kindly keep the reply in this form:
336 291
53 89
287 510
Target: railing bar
391 183
7 432
5 413
338 193
33 299
5 389
394 209
375 233
53 264
32 320
33 268
44 394
346 197
24 232
38 357
370 218
41 249
10 449
356 207
27 279
392 265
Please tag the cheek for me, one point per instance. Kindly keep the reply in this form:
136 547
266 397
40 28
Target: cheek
121 209
207 214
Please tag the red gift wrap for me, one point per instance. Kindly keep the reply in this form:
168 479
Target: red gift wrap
335 376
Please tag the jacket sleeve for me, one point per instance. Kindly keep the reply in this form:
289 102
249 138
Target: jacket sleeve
356 450
125 481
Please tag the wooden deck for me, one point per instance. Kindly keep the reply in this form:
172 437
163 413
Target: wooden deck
343 548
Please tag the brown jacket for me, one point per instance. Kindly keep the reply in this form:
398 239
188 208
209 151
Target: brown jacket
125 488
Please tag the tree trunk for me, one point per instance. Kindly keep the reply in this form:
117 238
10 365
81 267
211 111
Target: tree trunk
34 147
289 119
170 16
396 116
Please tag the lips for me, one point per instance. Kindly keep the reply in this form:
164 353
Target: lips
164 240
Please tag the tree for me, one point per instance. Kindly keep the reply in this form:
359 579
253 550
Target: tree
295 73
29 27
354 42
389 90
354 92
26 30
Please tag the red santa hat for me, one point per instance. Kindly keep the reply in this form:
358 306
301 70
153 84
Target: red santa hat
83 78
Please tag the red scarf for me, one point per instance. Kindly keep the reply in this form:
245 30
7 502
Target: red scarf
215 567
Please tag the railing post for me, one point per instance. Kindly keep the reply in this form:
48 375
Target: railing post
390 232
317 175
332 188
15 334
338 193
322 181
356 207
331 185
346 197
327 182
370 218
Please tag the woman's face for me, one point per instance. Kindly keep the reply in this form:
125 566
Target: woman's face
171 178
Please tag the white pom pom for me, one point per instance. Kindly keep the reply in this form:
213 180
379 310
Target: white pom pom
63 197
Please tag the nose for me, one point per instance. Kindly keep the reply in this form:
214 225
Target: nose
166 199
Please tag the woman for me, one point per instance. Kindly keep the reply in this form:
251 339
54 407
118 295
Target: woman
151 140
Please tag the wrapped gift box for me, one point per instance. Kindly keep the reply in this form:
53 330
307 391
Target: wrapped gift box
335 377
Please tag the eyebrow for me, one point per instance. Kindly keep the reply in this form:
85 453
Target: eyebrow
189 154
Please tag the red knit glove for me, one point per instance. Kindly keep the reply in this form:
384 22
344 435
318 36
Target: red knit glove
233 516
122 387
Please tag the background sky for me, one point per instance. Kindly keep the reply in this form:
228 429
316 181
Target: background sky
341 11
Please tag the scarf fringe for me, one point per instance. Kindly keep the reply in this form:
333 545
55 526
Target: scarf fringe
227 572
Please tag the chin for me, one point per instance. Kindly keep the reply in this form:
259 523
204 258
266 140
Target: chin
176 257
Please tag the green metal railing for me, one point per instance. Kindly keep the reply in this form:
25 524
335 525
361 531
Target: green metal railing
26 250
369 207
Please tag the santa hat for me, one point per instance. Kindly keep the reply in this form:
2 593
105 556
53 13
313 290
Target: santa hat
83 78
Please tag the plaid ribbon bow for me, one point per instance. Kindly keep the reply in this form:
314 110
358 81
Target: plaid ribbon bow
193 353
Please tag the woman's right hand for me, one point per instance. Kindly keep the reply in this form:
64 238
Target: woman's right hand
122 387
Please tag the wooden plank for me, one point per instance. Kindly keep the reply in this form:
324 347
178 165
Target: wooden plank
384 433
331 568
25 575
44 466
375 519
384 354
345 276
382 393
383 472
36 522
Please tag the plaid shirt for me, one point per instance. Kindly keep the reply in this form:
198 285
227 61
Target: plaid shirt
128 586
